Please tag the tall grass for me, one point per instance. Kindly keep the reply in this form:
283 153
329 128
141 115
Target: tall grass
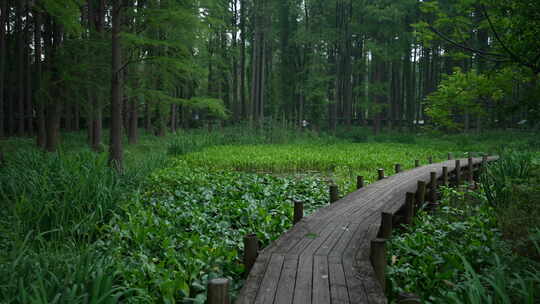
60 274
512 168
54 208
498 284
59 195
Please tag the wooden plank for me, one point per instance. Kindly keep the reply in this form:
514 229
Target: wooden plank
251 286
269 283
304 280
313 240
321 283
354 284
297 234
331 241
287 280
338 286
372 288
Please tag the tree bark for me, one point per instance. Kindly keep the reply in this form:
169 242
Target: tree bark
243 101
3 21
133 134
96 19
53 111
29 113
116 159
20 68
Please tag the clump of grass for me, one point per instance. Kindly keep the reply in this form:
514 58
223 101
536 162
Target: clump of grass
502 282
42 274
64 195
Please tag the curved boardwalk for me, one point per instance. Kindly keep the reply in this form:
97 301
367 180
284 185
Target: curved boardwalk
325 258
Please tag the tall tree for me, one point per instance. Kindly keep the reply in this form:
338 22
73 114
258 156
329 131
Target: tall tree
3 24
116 157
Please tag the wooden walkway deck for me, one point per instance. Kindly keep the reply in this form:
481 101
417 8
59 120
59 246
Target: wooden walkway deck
325 258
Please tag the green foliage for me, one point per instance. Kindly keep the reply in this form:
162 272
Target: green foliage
53 208
458 94
426 258
66 12
189 223
196 140
512 187
65 274
481 247
500 178
502 282
60 195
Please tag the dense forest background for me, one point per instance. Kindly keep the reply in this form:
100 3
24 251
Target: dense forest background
168 64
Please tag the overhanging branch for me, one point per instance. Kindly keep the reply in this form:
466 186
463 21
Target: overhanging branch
483 54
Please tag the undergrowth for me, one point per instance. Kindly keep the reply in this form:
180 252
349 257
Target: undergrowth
478 247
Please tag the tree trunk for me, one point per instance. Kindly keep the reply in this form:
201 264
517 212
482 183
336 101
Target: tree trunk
20 68
173 118
116 159
243 101
96 20
147 118
3 21
133 134
53 41
28 64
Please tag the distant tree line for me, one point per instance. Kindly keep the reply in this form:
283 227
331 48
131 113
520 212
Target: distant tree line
169 64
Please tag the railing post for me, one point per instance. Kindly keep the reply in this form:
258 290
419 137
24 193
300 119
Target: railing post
298 211
359 182
251 251
378 260
398 168
218 291
334 193
386 225
433 187
421 193
458 172
416 163
430 160
380 172
449 156
409 208
445 175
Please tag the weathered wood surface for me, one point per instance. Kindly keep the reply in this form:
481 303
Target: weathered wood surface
324 258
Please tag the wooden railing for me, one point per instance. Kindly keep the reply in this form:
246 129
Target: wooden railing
338 254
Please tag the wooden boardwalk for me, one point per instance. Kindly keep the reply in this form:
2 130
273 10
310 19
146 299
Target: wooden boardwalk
325 258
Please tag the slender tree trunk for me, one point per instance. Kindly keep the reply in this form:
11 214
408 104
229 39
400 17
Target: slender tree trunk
77 117
243 100
133 136
116 158
53 110
28 64
96 19
173 118
20 68
3 21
